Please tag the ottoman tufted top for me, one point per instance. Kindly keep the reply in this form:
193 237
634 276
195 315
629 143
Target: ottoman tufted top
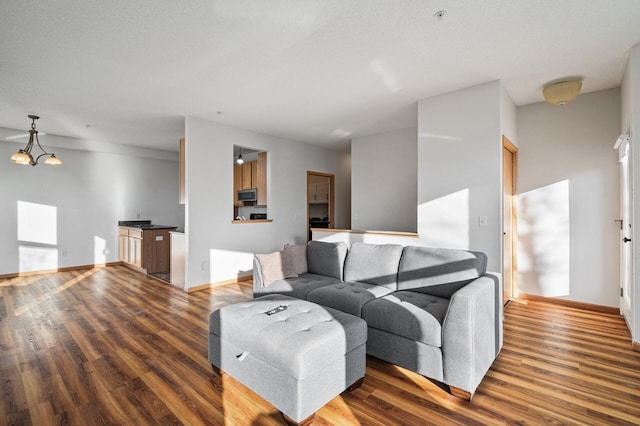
299 340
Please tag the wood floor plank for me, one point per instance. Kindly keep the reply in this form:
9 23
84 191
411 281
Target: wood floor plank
110 346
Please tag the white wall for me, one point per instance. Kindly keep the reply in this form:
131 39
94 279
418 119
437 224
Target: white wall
569 198
384 181
459 170
77 205
218 250
508 117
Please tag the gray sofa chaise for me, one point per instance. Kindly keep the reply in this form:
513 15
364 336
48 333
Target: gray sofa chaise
434 311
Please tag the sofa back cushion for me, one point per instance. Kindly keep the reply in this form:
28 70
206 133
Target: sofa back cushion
374 264
437 271
326 258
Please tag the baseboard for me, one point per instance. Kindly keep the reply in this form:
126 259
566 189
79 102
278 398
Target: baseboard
571 304
53 271
635 346
220 283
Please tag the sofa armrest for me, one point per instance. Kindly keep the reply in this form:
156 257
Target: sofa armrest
472 332
257 278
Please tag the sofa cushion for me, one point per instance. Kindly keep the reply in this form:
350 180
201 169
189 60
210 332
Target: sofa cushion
297 287
294 258
347 296
326 258
437 271
374 264
413 315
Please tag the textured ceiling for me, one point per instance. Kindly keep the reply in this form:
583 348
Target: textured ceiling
315 71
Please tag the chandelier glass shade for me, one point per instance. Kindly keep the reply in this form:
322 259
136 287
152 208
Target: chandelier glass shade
25 156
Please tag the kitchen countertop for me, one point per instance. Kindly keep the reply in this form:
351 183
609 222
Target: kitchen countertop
142 224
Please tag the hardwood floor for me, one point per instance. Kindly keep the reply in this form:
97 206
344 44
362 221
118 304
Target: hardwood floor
110 346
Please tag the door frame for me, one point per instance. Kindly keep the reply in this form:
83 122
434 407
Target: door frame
513 232
625 159
332 209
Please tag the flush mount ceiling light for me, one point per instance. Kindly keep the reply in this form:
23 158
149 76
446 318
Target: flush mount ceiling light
23 156
562 92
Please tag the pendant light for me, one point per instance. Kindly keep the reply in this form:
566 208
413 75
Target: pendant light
24 156
240 160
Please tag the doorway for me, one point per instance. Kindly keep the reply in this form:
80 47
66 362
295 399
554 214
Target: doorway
626 245
509 219
320 201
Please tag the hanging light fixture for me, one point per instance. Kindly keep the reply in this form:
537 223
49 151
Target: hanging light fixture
23 156
239 160
562 93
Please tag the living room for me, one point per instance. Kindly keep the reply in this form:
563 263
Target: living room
440 157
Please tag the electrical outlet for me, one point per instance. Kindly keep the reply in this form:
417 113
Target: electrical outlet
204 265
64 253
482 221
137 215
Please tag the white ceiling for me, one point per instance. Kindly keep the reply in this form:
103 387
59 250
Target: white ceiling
314 71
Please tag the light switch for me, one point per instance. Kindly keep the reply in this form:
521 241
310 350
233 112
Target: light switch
482 221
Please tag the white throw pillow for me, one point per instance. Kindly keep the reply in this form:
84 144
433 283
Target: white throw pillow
272 268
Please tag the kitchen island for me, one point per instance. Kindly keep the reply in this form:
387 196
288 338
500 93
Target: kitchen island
145 247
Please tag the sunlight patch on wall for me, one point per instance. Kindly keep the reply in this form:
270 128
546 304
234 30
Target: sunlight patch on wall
99 250
37 223
227 264
544 241
37 258
444 222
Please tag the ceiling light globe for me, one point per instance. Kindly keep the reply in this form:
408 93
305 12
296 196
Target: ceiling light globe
53 160
562 92
20 158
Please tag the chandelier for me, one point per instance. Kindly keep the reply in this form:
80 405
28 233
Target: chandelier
24 156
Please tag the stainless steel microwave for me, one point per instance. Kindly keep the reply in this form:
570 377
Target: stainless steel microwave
248 195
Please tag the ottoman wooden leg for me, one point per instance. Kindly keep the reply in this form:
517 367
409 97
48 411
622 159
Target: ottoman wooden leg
356 384
288 420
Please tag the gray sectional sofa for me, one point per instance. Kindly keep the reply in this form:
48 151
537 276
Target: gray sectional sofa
437 312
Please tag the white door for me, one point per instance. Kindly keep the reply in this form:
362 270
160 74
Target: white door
626 245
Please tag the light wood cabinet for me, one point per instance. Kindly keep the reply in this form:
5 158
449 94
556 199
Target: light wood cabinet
237 184
254 174
146 250
135 251
123 245
318 193
261 180
246 176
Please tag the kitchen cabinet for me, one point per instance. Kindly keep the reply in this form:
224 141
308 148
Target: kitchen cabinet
146 250
318 193
237 184
246 176
123 245
135 247
261 180
254 174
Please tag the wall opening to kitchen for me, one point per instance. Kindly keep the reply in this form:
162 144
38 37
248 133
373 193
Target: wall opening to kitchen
249 184
320 200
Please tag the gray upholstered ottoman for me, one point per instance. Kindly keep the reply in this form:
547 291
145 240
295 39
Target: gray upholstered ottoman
295 354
